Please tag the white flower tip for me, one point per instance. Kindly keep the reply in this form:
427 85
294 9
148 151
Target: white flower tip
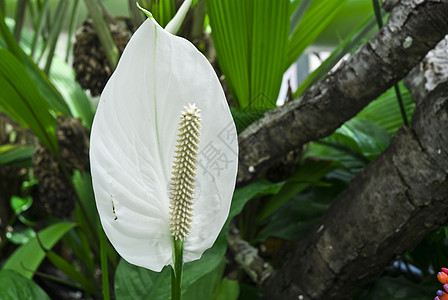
174 25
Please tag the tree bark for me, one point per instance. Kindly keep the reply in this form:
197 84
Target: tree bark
414 28
389 206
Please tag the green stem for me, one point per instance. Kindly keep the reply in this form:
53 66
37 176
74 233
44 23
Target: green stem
104 34
104 264
60 12
379 20
40 25
19 18
176 272
71 28
400 103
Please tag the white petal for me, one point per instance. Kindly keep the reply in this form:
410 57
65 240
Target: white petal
132 146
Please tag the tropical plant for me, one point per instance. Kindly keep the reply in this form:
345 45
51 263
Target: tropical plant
303 167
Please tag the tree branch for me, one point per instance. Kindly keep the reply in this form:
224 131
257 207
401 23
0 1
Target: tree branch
387 209
414 28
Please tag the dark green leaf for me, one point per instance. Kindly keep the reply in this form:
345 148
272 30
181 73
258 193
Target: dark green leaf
395 289
49 93
69 270
16 155
14 286
305 175
27 258
292 220
256 189
353 145
22 101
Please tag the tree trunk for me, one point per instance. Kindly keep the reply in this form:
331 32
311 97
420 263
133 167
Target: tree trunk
389 206
414 28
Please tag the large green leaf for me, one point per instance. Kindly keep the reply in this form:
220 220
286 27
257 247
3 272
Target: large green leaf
63 77
72 98
317 17
27 258
353 145
49 93
228 290
14 286
21 100
251 39
132 282
206 286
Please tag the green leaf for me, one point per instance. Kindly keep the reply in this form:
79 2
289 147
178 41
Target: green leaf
22 101
132 282
385 110
27 258
293 219
317 17
227 290
69 270
21 236
16 155
342 49
304 176
163 11
391 288
251 50
205 287
256 189
63 77
48 91
353 145
14 286
20 204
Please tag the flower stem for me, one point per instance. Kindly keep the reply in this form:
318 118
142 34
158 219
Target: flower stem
176 272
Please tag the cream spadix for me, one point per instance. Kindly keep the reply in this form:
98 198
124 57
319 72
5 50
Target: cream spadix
133 144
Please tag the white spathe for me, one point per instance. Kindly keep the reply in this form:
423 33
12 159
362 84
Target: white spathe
133 141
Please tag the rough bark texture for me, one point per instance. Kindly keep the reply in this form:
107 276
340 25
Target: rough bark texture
414 28
387 209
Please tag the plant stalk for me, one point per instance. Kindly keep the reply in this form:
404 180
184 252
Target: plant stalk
176 272
19 18
40 25
71 28
379 20
104 263
104 34
60 12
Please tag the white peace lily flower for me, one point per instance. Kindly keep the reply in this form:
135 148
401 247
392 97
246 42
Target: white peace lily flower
133 143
